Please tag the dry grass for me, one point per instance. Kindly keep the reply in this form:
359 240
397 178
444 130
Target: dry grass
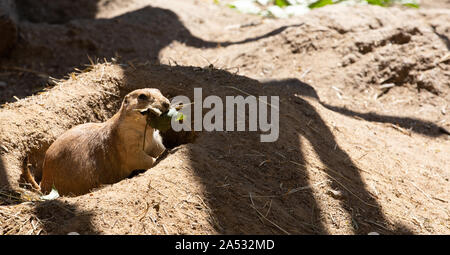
16 217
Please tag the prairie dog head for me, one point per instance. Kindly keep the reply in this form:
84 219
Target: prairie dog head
137 102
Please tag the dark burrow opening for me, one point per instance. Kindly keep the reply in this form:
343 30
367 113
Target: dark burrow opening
55 12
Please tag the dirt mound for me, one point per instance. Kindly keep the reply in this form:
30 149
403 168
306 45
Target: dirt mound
285 187
363 120
135 36
351 62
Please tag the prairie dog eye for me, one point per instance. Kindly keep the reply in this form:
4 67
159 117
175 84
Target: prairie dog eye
143 97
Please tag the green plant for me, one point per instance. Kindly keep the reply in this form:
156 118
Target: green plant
384 3
322 3
281 3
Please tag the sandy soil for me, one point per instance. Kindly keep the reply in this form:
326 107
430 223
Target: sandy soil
364 102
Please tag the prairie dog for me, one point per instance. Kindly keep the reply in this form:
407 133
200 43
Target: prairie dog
93 154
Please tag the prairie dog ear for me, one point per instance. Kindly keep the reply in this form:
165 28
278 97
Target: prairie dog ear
126 99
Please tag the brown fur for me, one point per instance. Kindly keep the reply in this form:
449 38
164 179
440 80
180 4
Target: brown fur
93 154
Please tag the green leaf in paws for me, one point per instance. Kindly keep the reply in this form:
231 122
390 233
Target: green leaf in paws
163 121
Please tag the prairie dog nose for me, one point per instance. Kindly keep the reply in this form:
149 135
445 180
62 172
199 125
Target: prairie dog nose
165 105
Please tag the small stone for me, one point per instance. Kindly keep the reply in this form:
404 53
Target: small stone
336 193
3 85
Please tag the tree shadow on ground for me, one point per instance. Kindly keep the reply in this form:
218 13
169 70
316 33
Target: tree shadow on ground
263 188
343 175
2 170
137 36
8 194
55 12
415 125
247 185
126 36
60 217
54 217
4 199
